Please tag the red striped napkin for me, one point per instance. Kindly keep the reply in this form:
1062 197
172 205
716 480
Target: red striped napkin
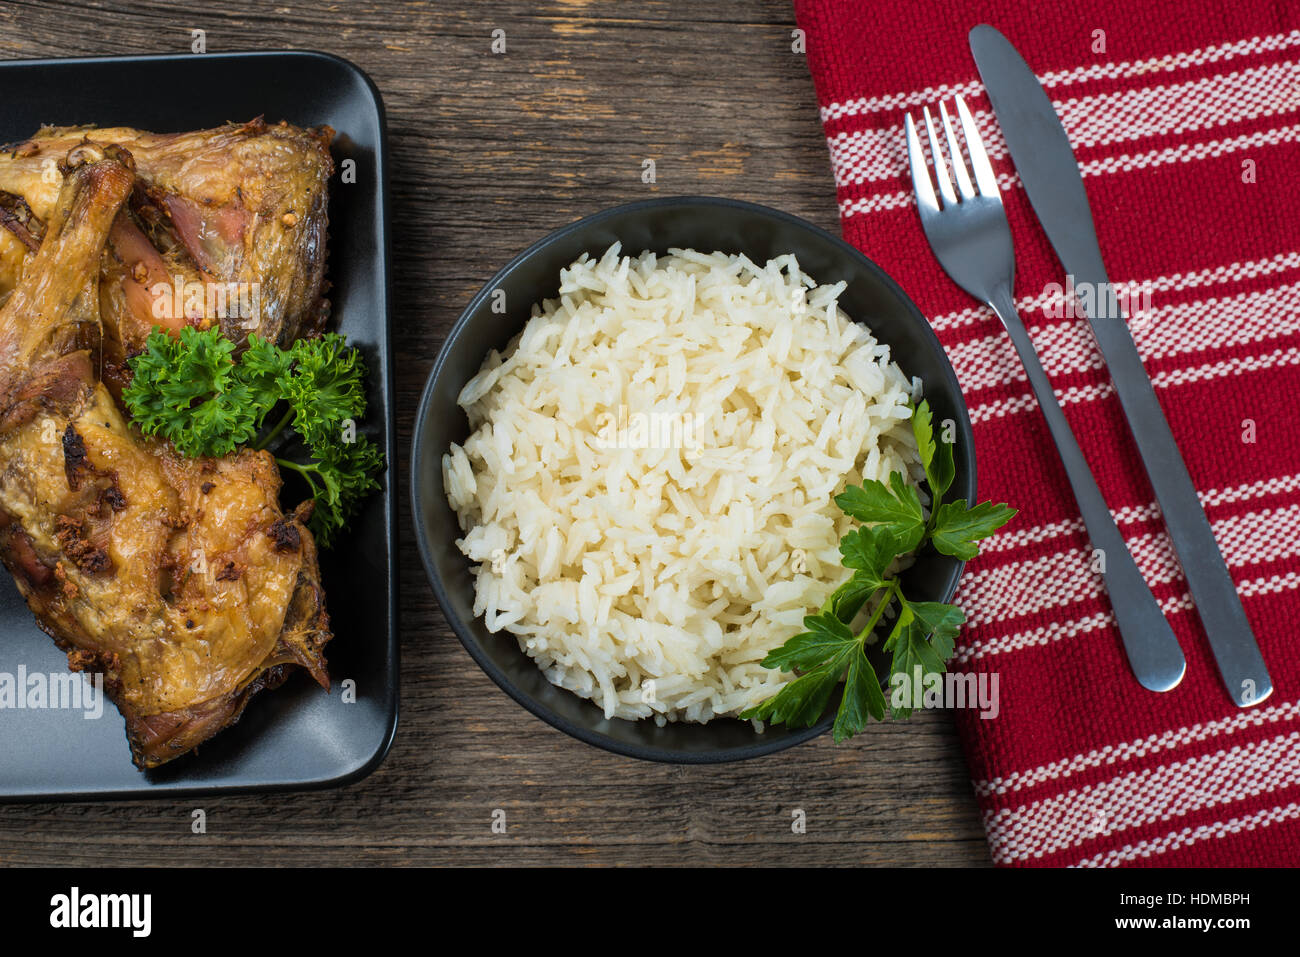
1186 124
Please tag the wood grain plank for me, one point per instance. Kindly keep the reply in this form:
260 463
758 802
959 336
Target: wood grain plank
488 153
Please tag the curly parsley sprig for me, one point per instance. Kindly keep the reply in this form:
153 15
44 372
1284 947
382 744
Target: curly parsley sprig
923 632
192 391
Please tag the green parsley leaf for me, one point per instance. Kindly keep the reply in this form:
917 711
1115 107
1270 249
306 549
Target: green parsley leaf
194 392
911 650
188 391
936 459
263 369
869 551
896 507
340 477
955 527
826 636
940 623
862 698
848 599
326 389
801 702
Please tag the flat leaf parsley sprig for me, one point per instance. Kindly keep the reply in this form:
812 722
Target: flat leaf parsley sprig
923 632
193 391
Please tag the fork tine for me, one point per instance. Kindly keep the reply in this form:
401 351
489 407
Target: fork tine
940 167
979 159
925 197
958 164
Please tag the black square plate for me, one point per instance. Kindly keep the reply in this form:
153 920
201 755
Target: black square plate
297 736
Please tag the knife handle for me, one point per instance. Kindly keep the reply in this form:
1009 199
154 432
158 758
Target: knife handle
1153 652
1233 643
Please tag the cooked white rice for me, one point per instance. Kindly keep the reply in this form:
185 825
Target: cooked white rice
648 488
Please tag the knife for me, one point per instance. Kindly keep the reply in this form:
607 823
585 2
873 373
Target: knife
1051 178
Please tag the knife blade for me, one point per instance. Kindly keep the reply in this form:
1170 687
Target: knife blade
1050 174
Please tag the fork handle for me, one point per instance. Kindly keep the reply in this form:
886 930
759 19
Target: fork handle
1153 652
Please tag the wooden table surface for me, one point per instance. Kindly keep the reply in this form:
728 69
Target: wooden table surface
489 152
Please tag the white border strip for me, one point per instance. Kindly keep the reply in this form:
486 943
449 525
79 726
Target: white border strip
1067 577
1106 71
1193 835
1108 119
1144 797
1182 330
1277 359
1140 747
1060 631
1004 541
1183 153
1214 276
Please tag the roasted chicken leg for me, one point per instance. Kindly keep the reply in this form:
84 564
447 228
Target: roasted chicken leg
180 580
238 211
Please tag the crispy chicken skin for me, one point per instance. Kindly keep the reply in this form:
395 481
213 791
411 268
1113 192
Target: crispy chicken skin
243 203
180 579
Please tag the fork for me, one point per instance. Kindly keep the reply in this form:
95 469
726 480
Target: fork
971 238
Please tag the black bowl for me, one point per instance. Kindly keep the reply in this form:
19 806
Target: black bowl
701 223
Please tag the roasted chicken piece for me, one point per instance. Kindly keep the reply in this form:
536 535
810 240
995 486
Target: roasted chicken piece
180 579
223 226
